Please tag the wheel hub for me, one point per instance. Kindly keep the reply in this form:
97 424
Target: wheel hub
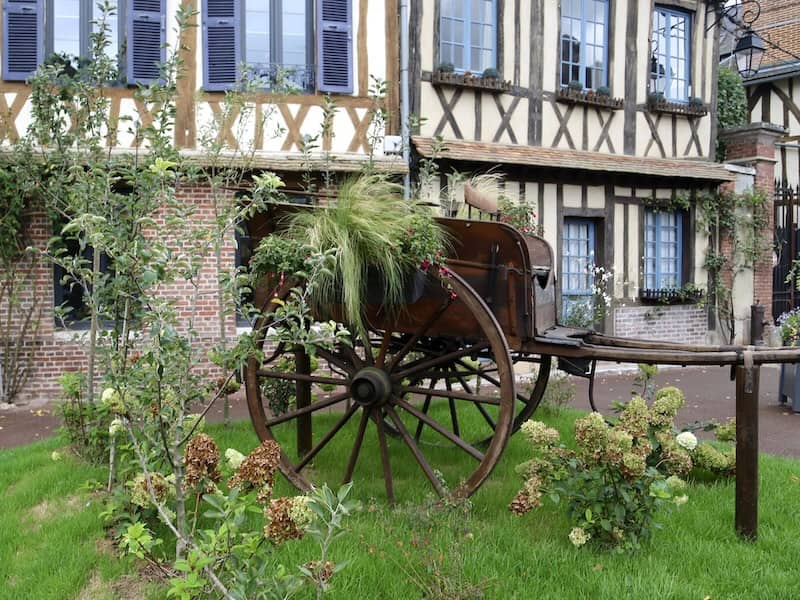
371 386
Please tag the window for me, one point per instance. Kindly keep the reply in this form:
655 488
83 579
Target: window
274 40
577 274
669 61
34 29
584 42
662 249
69 293
468 34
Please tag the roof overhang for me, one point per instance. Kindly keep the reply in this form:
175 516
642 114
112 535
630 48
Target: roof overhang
697 171
774 72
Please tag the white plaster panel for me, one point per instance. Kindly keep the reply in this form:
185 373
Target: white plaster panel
644 192
430 109
549 124
633 267
663 193
525 54
511 191
532 196
426 38
595 196
549 59
622 191
572 196
616 78
619 250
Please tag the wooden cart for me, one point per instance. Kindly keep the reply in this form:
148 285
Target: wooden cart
437 379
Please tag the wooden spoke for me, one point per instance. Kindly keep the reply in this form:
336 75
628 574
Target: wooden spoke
387 469
408 389
292 376
425 406
308 409
351 463
381 359
452 402
412 445
441 360
433 424
486 416
437 314
328 437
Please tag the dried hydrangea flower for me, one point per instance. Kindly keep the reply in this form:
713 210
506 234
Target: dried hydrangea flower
161 487
281 527
201 460
635 419
674 459
666 405
320 571
676 484
528 498
632 466
591 435
726 432
619 443
709 458
259 467
539 434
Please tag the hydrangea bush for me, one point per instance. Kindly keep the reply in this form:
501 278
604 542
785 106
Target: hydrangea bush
621 474
611 494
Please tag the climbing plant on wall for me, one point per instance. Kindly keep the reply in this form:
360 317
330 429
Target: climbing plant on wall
731 104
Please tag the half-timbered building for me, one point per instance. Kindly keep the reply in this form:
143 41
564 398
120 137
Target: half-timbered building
307 48
601 115
774 92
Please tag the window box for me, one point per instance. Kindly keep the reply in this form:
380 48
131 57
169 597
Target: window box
671 296
492 84
661 105
588 97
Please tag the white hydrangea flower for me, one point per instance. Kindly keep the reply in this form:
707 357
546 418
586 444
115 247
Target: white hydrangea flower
115 427
234 458
686 439
578 536
680 500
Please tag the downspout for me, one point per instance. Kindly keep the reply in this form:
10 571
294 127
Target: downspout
404 91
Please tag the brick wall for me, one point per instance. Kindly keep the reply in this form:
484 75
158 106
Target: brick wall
54 350
779 22
687 324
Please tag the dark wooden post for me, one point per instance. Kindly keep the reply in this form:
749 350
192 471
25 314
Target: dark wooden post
303 398
747 451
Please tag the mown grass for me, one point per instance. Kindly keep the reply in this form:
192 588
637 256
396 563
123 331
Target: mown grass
416 549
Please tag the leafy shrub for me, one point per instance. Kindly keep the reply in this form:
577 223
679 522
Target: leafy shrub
611 495
731 104
84 424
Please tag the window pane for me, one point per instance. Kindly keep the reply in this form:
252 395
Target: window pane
294 34
66 27
257 36
112 25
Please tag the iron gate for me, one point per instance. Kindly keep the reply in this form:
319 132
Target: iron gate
785 295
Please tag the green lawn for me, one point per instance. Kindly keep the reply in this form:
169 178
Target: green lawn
50 538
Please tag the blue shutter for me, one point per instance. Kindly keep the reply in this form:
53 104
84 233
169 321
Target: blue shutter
146 40
335 46
221 44
23 46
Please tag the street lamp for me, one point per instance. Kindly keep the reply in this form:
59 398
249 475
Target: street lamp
749 52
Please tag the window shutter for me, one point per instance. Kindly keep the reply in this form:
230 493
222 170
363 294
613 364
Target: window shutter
146 39
335 46
221 44
23 46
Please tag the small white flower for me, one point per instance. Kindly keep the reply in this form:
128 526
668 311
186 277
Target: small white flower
55 456
686 439
578 536
234 458
680 500
115 427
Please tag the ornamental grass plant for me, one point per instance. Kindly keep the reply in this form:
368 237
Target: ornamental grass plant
367 226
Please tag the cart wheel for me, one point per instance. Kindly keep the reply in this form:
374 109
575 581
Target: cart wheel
468 376
381 392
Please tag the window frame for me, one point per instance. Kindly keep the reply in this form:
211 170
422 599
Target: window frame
671 12
582 66
275 8
658 275
87 15
466 42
